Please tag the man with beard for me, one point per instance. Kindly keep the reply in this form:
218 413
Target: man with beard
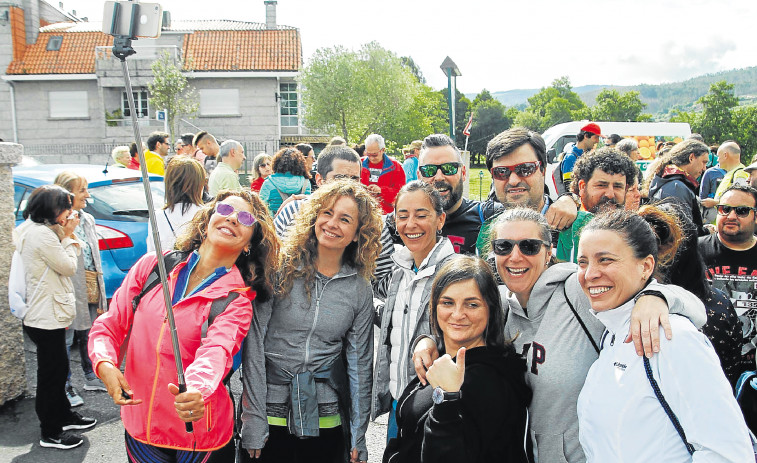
601 180
730 256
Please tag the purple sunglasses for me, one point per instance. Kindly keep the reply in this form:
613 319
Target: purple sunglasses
243 217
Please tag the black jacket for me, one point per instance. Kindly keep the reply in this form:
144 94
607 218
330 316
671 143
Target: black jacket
489 422
679 187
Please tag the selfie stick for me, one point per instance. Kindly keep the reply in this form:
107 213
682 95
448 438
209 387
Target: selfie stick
121 49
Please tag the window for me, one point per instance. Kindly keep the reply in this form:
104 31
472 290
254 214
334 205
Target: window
219 102
68 104
20 197
140 104
288 96
54 43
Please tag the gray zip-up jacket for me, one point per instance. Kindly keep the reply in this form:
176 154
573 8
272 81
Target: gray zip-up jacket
559 353
297 334
382 397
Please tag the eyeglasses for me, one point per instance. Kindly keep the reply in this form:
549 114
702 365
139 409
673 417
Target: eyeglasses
346 177
448 168
741 211
243 217
524 169
528 247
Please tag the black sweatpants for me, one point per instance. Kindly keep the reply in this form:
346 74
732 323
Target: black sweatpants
51 403
284 447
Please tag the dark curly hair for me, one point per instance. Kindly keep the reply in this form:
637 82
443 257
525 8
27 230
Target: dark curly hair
290 160
608 160
257 267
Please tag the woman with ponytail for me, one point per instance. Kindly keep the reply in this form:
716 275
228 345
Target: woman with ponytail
676 406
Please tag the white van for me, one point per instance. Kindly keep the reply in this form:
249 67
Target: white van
556 137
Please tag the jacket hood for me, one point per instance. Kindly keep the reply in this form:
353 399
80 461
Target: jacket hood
288 183
672 172
542 292
510 366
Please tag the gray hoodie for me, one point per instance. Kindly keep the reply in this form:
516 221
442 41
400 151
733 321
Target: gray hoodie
297 334
559 354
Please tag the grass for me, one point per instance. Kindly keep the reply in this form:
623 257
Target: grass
479 183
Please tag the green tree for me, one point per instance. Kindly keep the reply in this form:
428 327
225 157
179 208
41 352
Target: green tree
356 93
622 107
171 91
490 117
484 95
717 124
463 108
555 104
745 119
409 63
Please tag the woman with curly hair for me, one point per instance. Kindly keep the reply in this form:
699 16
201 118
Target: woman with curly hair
228 252
290 176
314 379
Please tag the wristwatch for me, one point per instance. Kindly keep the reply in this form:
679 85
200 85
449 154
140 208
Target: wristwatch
440 395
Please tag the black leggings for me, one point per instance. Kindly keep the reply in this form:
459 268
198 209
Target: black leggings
137 452
284 447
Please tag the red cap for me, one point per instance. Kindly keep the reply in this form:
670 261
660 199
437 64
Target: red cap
592 128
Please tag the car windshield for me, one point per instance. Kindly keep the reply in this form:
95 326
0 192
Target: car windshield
123 201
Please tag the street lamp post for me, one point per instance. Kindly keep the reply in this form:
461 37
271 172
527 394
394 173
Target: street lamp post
451 71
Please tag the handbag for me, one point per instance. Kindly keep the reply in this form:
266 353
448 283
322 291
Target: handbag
93 286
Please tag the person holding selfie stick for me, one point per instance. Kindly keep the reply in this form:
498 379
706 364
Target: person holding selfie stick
50 252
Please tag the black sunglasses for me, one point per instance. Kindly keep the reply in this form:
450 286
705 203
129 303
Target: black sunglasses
528 247
448 168
524 169
741 211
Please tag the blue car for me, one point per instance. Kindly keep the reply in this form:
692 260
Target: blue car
117 203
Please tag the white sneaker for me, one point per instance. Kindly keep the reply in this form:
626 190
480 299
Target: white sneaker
73 398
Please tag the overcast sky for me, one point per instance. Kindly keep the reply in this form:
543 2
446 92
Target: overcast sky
507 44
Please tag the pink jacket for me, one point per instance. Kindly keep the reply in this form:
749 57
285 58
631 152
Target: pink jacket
150 362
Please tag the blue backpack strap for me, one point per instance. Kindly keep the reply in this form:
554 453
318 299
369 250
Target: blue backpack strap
480 212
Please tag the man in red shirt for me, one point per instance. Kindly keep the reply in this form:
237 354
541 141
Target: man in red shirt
382 175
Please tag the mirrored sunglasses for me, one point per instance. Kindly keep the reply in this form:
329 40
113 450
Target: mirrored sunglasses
528 247
741 211
448 168
243 217
524 169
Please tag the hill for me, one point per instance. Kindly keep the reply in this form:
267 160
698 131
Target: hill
660 99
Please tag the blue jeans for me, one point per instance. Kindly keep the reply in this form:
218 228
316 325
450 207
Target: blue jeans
391 428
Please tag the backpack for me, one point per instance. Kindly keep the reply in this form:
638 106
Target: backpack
17 286
217 307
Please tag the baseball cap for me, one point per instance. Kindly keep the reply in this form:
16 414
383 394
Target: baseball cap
751 167
592 128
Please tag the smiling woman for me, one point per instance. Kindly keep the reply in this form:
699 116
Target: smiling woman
316 335
683 404
228 252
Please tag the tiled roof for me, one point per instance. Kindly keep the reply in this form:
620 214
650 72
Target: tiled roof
76 55
213 46
243 50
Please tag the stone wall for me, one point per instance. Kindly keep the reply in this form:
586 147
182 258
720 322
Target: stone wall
12 368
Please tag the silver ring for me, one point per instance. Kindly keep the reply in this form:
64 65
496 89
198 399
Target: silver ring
190 412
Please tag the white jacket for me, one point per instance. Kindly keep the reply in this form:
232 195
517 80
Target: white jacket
621 420
171 224
53 306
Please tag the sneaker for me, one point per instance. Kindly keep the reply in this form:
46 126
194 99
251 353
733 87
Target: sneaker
79 422
94 384
73 398
64 440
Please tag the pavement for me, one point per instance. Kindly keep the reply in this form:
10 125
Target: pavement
19 427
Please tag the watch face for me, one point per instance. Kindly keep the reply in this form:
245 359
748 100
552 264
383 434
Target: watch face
438 395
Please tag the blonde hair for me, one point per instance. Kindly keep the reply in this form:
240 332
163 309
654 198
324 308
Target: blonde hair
121 152
184 182
300 249
69 180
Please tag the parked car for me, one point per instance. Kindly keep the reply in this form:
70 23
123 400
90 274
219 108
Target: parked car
117 203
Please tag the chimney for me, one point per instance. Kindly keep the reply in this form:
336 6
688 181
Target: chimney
31 16
270 14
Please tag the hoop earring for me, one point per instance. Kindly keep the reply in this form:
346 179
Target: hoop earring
438 233
246 252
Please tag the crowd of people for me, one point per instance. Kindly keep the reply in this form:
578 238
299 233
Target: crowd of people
609 323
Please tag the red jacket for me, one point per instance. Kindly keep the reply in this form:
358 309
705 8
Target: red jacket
390 179
150 362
